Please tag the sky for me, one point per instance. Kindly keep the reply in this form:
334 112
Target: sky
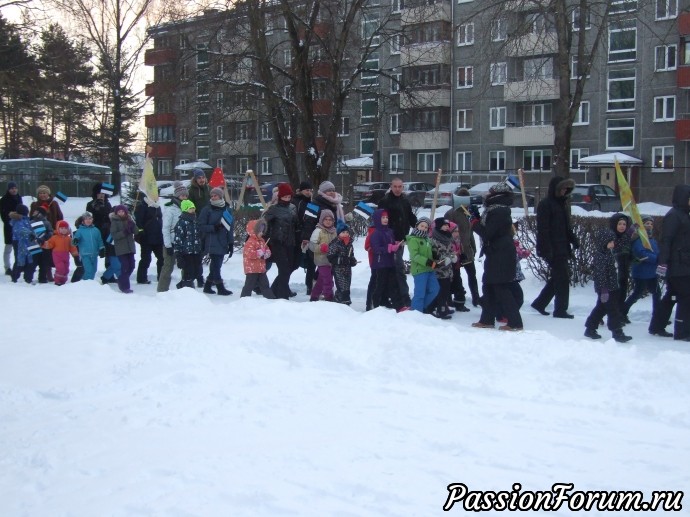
187 404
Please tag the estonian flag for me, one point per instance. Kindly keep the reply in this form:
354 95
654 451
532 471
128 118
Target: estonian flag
312 210
107 189
513 182
38 227
61 197
364 210
34 249
227 220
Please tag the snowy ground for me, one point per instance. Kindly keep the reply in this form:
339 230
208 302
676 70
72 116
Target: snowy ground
186 404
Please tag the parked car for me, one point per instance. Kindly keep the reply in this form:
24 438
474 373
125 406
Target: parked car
447 194
591 196
416 191
370 191
482 189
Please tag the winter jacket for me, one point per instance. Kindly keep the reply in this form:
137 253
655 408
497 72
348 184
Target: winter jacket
623 247
379 241
200 196
555 233
59 242
421 252
300 202
341 255
122 231
675 234
496 232
310 218
100 209
401 218
459 217
644 260
150 220
53 212
8 203
217 239
171 215
442 246
88 240
187 239
318 237
606 270
47 232
23 236
251 261
281 219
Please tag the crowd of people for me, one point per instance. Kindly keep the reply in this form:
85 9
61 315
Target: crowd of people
309 229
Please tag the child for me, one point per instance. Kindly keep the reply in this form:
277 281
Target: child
321 237
442 246
61 244
341 257
187 244
456 287
22 238
422 266
254 258
644 268
42 232
384 246
122 230
607 288
514 286
89 242
622 250
372 277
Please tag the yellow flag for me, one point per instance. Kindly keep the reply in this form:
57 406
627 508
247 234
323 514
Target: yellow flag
147 183
630 207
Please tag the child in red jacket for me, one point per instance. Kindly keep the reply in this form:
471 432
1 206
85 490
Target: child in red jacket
61 244
254 257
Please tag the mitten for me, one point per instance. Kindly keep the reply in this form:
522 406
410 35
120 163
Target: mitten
454 259
267 253
217 226
101 253
323 248
604 295
446 261
353 261
430 263
576 244
170 251
392 248
661 270
230 251
260 253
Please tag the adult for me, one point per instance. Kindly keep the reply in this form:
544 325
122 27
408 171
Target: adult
495 227
149 219
281 219
200 195
9 203
325 198
301 199
171 215
460 216
674 261
401 220
45 200
556 242
217 239
100 208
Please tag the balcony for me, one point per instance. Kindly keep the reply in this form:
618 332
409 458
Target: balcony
425 54
683 77
322 107
528 136
439 11
684 24
160 119
436 97
239 147
162 149
153 89
532 90
683 127
321 69
421 140
532 45
320 144
160 56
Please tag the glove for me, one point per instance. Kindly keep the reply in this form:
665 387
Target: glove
267 253
446 261
260 253
454 259
576 244
392 248
604 296
463 258
170 251
430 263
230 251
353 261
661 270
217 226
323 248
474 212
101 253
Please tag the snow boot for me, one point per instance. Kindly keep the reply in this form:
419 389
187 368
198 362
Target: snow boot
592 334
222 291
620 337
208 287
185 283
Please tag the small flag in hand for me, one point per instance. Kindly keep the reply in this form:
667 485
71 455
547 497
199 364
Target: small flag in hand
312 210
364 210
227 220
107 189
38 227
61 197
513 182
34 249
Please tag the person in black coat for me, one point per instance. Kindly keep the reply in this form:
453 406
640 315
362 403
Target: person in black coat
495 227
674 265
301 200
9 203
149 219
281 220
218 241
555 244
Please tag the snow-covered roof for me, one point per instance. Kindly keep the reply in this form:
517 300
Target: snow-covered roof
609 159
363 162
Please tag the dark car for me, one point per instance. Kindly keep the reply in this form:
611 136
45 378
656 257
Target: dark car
594 196
415 191
482 189
370 191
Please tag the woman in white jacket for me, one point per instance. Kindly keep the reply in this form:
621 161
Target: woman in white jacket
171 214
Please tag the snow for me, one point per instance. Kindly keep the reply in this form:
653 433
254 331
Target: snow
181 403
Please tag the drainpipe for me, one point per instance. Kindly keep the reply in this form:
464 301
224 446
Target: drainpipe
451 136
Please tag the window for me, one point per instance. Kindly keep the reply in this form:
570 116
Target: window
497 161
369 108
202 122
265 166
184 104
396 42
665 108
465 74
370 26
183 42
497 118
184 73
498 73
266 132
575 156
465 34
220 100
662 158
241 131
287 57
370 73
396 162
428 162
202 149
537 160
464 120
344 126
622 41
242 165
184 135
287 92
463 161
582 116
575 71
164 167
622 6
396 80
537 115
620 133
429 75
319 90
499 31
397 6
219 133
395 124
201 57
581 21
621 96
220 163
367 139
665 58
541 68
666 9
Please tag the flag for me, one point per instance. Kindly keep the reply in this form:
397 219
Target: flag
363 210
34 249
38 227
61 197
147 183
513 182
228 220
312 210
630 207
107 189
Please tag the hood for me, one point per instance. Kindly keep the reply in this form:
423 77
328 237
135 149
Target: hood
256 226
377 219
557 183
97 190
613 220
607 235
681 195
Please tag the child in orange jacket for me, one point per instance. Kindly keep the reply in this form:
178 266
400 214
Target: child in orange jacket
254 257
61 244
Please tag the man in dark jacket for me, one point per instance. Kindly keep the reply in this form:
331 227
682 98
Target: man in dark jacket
9 203
301 200
401 219
674 264
555 244
149 219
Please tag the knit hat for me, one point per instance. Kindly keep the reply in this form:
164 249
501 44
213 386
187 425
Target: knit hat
43 189
11 184
341 227
325 213
187 205
500 188
326 186
284 189
22 210
62 224
305 185
87 215
424 220
180 189
117 208
197 173
439 222
217 191
646 218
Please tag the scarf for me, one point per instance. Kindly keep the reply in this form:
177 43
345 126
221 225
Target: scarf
220 203
442 237
486 211
329 230
419 233
336 202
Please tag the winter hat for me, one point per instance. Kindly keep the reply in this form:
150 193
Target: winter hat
440 221
62 224
424 220
326 186
22 210
325 213
217 191
87 215
284 189
305 185
646 218
11 184
180 189
341 227
197 173
43 189
500 188
187 205
117 208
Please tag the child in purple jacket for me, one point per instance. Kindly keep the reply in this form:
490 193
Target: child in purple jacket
384 246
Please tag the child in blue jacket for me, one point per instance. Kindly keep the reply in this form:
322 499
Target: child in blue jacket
89 242
644 267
